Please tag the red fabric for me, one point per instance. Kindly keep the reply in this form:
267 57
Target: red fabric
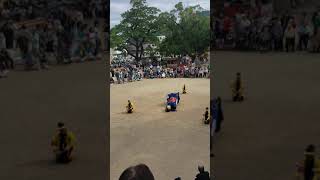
226 24
172 100
230 11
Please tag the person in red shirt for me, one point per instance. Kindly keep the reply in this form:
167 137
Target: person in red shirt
226 25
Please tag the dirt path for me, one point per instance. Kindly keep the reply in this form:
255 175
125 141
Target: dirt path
31 105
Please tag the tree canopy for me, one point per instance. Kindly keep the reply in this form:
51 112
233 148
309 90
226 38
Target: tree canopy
138 26
186 30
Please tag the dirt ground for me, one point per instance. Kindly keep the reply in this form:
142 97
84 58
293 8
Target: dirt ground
31 104
172 144
263 137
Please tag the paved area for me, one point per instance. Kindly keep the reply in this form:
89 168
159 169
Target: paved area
31 105
263 137
171 144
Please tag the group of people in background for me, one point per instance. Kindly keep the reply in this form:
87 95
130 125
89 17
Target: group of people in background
19 10
246 27
38 33
125 72
128 72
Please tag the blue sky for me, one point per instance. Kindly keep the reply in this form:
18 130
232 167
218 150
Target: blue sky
117 7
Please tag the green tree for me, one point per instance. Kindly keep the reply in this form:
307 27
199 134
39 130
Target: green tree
187 31
137 27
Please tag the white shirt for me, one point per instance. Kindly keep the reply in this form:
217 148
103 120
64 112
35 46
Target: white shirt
2 41
35 41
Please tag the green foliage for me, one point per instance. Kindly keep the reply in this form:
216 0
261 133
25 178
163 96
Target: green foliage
187 31
116 38
137 27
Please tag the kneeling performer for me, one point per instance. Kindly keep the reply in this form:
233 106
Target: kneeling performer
63 144
129 107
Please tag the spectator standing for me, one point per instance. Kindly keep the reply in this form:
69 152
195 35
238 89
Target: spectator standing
309 162
9 34
277 35
202 175
290 35
303 36
35 44
2 41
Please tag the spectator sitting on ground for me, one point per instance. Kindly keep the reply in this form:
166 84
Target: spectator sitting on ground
138 172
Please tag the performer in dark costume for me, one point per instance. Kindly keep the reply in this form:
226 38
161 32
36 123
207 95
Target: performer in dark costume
237 89
219 113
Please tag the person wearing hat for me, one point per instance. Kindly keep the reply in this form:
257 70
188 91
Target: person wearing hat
63 144
202 175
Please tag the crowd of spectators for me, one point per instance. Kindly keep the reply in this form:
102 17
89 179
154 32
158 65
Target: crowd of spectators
125 72
128 72
34 32
257 27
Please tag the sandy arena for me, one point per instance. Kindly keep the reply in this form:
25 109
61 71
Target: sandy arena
263 137
31 105
171 144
